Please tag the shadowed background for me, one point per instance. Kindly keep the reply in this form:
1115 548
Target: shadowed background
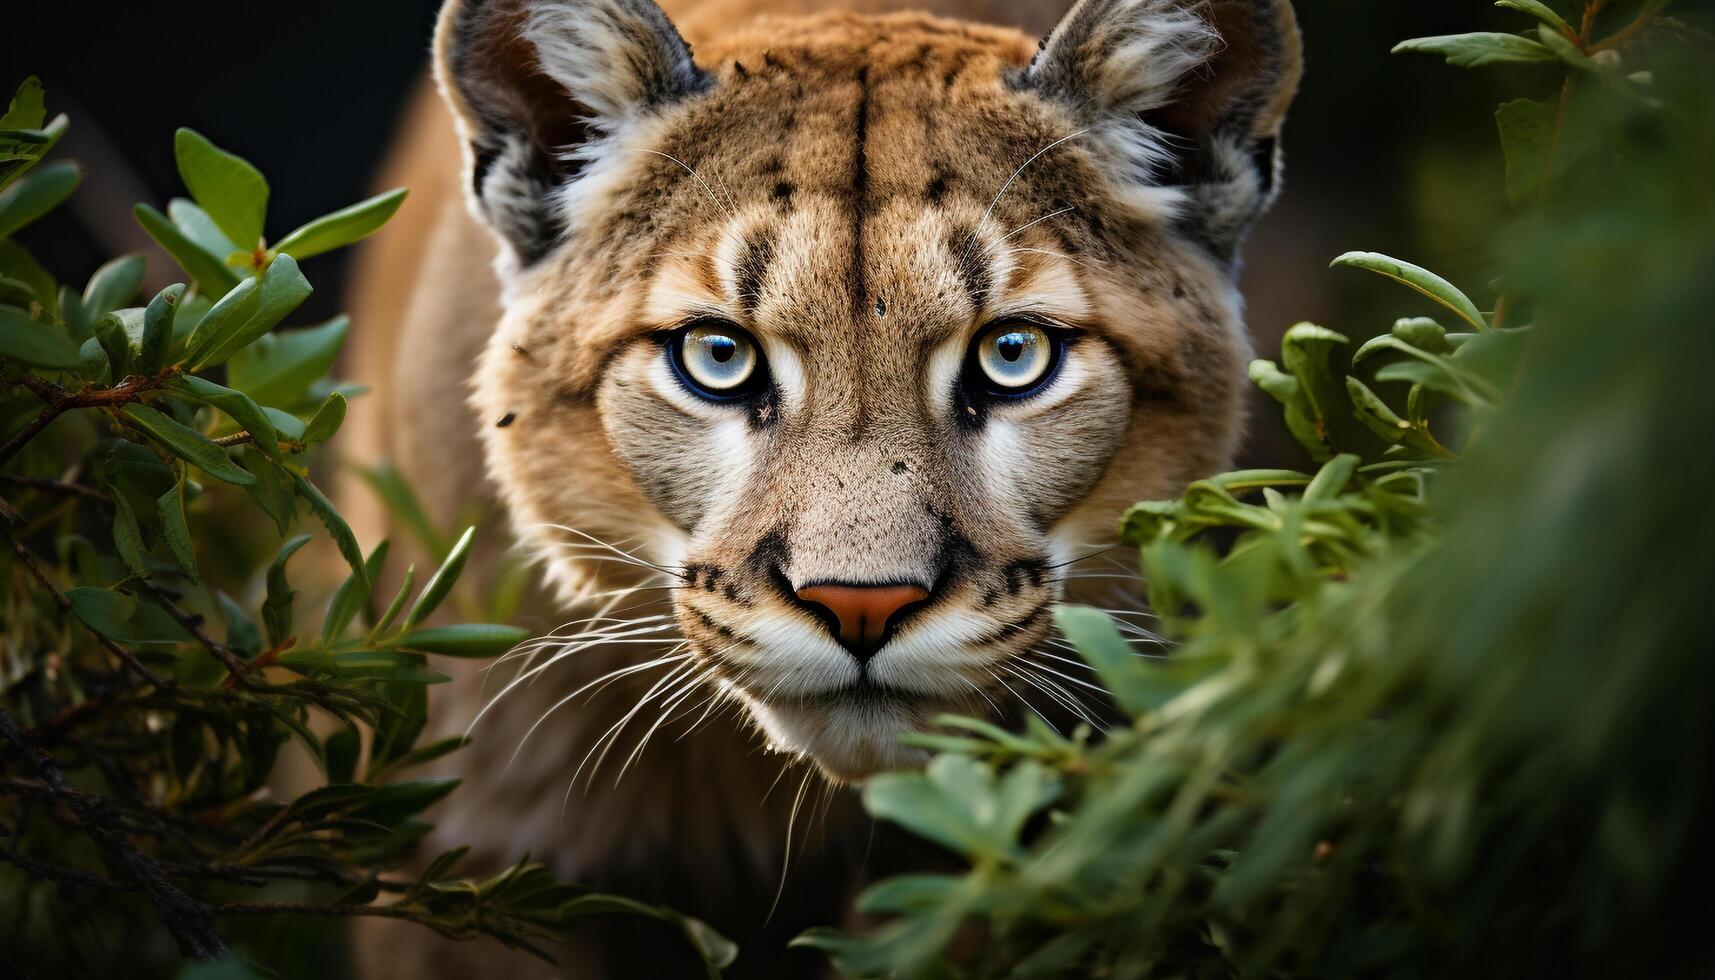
1379 147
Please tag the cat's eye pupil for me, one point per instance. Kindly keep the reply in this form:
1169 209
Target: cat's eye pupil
1014 359
717 360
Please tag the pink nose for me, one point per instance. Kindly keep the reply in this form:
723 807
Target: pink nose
864 612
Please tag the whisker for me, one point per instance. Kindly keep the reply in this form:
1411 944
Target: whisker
1024 227
786 859
688 169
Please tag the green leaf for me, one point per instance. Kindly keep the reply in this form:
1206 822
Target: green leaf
273 490
232 191
229 328
349 598
342 227
336 525
1332 478
158 329
114 285
110 333
279 368
128 536
1136 687
1419 279
277 607
123 619
235 404
398 603
341 749
26 147
1563 49
1478 50
35 343
1539 10
36 195
189 445
1386 423
464 639
27 108
210 273
443 580
1305 351
176 530
327 419
1525 128
419 756
17 263
241 632
201 229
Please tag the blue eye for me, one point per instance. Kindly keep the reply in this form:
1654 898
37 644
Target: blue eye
715 359
1013 359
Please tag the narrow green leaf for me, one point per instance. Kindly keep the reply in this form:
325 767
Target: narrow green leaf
1122 671
443 580
349 598
188 444
336 525
158 329
273 490
1332 478
210 273
235 404
114 285
464 639
38 344
1539 10
327 419
1479 49
128 536
342 227
30 146
110 333
1419 279
176 530
36 195
398 603
232 191
241 632
277 607
228 329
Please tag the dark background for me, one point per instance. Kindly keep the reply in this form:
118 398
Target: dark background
1385 153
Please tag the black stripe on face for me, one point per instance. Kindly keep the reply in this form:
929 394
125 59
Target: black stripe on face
968 259
752 270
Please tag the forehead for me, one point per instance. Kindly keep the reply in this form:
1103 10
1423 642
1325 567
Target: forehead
869 137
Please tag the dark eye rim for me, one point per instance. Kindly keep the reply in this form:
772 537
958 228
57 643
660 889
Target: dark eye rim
674 343
977 382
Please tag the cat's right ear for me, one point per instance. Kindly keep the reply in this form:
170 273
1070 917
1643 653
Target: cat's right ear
536 87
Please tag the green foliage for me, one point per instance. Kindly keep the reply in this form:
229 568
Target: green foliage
139 740
1439 707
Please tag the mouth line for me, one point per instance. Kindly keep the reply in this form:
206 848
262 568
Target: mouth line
864 692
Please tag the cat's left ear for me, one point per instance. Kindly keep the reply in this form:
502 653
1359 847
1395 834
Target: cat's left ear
1190 95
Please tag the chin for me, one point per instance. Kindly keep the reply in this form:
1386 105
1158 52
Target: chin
848 736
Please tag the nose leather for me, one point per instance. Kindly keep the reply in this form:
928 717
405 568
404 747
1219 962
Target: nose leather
862 611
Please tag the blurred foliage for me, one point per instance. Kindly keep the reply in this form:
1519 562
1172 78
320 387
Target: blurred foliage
1442 707
139 743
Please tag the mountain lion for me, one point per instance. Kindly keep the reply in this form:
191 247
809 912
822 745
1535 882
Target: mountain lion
813 364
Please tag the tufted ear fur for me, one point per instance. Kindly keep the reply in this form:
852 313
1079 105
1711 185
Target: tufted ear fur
1188 95
536 85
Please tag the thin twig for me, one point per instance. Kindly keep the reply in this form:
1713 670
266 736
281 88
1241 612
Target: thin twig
60 401
125 656
58 487
193 625
187 919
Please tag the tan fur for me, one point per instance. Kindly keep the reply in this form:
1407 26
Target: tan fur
863 190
